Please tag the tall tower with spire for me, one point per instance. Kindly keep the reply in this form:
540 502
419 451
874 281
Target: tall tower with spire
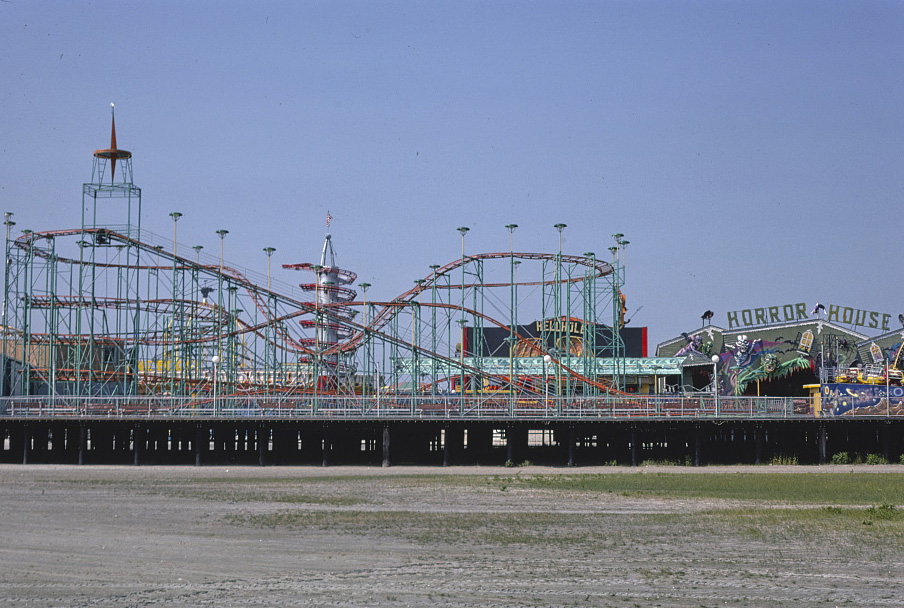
331 293
111 203
106 184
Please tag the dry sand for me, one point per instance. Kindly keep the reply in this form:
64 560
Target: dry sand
356 536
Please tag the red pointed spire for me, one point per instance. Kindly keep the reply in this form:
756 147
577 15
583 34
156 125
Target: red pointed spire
113 141
113 153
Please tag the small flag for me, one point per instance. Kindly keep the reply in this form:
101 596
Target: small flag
329 218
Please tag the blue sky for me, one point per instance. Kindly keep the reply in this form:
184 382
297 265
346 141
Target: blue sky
750 151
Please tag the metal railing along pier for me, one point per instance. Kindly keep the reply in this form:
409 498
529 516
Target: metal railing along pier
409 407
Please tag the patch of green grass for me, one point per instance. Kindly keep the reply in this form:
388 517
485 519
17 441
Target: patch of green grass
589 533
496 529
842 526
885 513
842 458
856 458
653 462
252 494
283 481
794 488
784 459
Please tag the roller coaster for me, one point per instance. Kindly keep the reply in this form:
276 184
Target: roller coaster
118 315
110 309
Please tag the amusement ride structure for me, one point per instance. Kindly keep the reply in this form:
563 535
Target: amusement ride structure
111 310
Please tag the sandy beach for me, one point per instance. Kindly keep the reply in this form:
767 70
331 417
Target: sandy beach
458 536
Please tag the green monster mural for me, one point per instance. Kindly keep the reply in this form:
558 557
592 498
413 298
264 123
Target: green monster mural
770 368
758 360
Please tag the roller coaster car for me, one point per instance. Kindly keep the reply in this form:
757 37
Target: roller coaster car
847 375
875 374
869 376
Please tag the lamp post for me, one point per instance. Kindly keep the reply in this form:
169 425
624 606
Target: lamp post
215 359
175 215
616 310
267 372
514 344
222 232
656 369
462 230
364 287
618 320
546 361
269 251
511 229
197 364
715 360
416 342
560 314
176 363
9 223
589 351
511 338
433 268
560 227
